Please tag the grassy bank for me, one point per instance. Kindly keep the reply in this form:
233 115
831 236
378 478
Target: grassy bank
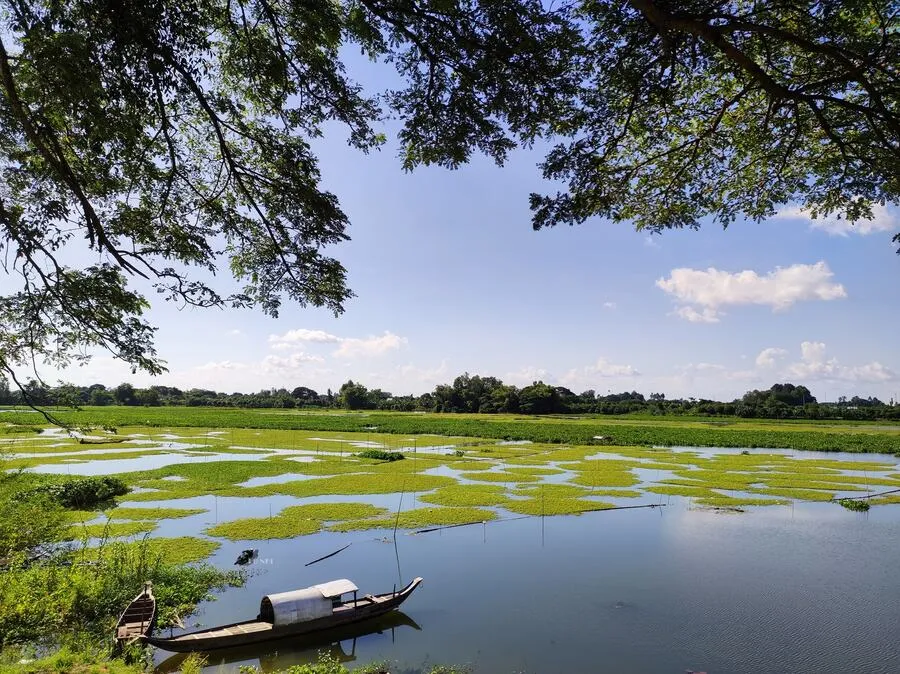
666 431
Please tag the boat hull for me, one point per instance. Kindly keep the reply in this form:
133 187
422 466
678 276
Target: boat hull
253 631
138 619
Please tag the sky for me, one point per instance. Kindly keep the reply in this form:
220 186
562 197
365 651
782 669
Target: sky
450 278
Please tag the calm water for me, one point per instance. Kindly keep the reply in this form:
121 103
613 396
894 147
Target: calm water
808 588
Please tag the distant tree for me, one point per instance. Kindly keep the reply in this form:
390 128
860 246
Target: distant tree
353 396
124 394
147 397
100 397
305 396
539 398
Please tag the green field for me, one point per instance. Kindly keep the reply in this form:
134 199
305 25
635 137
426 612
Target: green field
581 430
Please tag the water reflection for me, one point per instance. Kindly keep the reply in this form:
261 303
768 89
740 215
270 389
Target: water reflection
339 643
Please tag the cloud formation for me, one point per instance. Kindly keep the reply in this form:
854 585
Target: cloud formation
883 220
293 361
349 347
294 338
702 293
814 363
768 357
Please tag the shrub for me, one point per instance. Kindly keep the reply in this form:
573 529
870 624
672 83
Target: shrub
381 455
83 492
856 504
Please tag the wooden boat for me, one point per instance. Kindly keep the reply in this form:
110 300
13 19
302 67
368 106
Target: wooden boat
138 619
277 656
286 614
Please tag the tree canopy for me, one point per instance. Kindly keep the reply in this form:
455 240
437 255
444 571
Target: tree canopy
168 140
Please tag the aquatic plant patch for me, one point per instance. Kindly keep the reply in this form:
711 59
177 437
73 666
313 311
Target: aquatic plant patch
456 495
110 529
555 506
294 521
357 483
121 513
421 517
499 476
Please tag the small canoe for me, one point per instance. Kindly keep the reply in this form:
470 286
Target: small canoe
287 614
302 649
138 619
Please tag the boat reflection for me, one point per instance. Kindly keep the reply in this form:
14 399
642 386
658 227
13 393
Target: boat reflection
304 649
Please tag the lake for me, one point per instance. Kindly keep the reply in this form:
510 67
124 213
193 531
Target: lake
804 588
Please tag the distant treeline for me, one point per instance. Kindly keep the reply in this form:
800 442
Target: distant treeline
468 393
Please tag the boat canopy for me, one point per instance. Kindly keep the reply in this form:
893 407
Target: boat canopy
296 606
335 588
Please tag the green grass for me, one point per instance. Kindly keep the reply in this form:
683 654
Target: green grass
111 529
180 550
681 490
152 513
502 476
90 660
293 521
555 506
731 501
421 517
797 494
647 432
457 495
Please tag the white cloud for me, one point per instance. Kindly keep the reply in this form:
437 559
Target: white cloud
224 365
707 315
586 377
768 357
702 293
352 347
609 305
815 364
293 361
349 347
293 338
883 220
235 333
526 376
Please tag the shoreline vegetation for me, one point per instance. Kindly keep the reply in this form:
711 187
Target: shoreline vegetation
628 430
80 545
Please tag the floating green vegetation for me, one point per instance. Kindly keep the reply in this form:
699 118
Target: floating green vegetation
456 495
153 513
380 455
885 500
357 483
555 506
421 517
294 521
180 550
499 476
473 464
528 470
736 501
602 475
111 529
798 494
552 491
856 504
681 490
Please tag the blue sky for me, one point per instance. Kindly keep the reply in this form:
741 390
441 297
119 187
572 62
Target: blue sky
450 277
